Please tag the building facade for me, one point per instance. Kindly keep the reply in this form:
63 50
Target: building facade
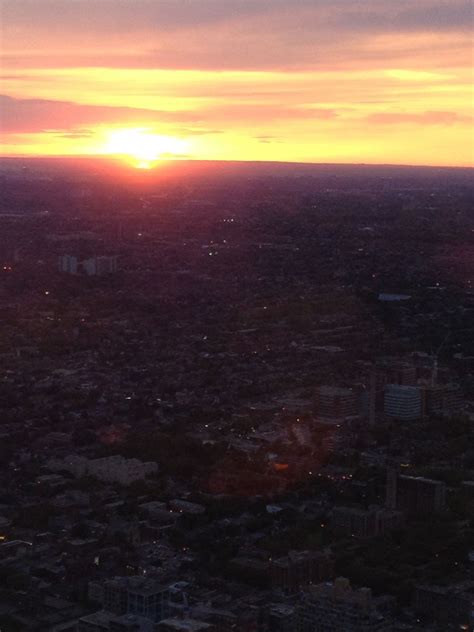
335 404
414 495
336 607
402 402
300 568
365 523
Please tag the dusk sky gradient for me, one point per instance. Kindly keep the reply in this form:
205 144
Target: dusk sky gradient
372 81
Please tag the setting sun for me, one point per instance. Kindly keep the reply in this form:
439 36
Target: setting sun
142 146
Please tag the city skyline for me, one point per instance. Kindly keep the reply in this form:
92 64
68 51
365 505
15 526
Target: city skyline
304 81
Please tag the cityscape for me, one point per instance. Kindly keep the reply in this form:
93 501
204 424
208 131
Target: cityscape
236 399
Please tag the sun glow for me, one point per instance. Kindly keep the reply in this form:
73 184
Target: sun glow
142 147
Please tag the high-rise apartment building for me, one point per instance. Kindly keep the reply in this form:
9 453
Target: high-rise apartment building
414 495
402 402
335 404
396 371
365 523
441 399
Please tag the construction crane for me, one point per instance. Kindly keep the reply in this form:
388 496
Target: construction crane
434 373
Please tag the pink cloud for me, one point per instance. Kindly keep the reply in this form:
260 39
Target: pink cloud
422 118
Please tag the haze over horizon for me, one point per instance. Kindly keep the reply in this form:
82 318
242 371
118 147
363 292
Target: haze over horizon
321 81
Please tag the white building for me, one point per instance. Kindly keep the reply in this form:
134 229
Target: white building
100 266
111 469
68 263
94 266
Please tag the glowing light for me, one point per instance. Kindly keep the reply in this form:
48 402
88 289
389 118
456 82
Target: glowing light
144 164
142 146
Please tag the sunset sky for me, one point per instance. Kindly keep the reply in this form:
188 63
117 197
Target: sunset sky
375 81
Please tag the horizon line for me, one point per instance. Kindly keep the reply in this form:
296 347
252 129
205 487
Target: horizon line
110 158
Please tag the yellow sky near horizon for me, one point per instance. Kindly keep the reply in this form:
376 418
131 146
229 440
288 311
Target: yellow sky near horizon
319 83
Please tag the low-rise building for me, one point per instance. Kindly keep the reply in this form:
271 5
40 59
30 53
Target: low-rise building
110 469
